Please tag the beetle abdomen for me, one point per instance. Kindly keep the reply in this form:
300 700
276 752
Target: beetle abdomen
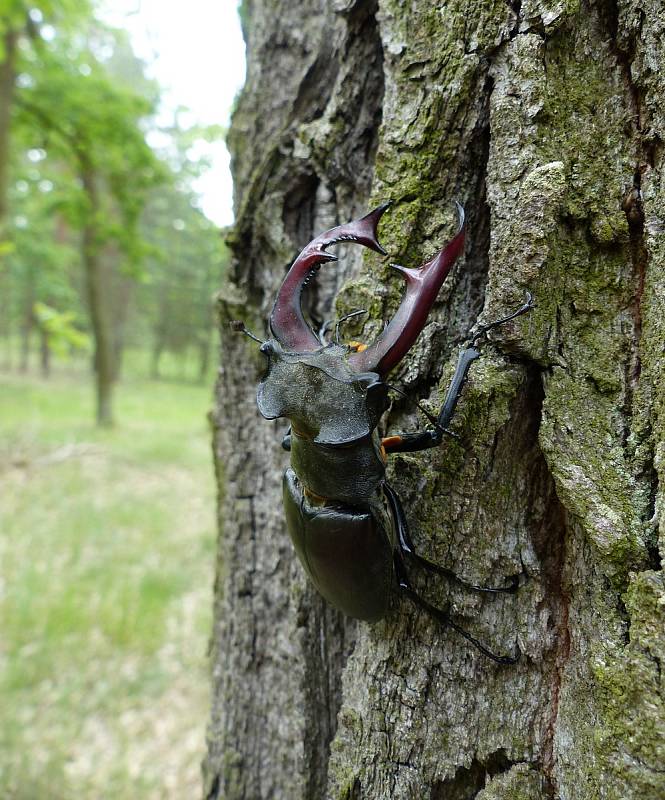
345 551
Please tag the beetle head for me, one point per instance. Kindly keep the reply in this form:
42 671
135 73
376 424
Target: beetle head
321 394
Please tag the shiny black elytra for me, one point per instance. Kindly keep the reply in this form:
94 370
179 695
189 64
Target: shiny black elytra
346 522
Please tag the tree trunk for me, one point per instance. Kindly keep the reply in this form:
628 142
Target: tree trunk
7 88
545 119
104 355
119 300
157 350
44 353
204 346
27 320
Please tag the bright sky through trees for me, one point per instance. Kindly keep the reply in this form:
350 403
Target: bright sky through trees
196 53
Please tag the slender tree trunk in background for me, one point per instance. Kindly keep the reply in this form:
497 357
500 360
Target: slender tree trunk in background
6 289
26 331
120 300
104 356
7 88
27 320
545 119
44 354
156 356
204 347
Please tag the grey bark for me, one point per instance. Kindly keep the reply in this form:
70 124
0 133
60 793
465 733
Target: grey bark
545 119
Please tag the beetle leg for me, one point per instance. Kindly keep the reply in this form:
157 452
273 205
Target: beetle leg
407 548
423 440
286 441
443 617
527 306
412 442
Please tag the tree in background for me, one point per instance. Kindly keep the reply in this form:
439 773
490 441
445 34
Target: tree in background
83 198
546 120
178 300
185 253
43 266
19 34
92 126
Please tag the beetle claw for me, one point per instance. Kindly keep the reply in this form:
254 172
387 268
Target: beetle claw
286 320
422 288
527 306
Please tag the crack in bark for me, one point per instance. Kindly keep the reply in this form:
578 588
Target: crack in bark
550 544
213 794
633 207
469 781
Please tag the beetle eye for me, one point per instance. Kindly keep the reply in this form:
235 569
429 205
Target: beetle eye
266 348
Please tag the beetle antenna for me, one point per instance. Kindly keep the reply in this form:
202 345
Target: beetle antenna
238 326
323 330
444 618
344 318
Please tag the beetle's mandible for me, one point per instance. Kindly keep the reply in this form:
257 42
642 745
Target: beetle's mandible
346 522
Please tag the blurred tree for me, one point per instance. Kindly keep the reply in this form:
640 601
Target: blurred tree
7 84
91 124
82 184
44 264
187 254
184 270
19 22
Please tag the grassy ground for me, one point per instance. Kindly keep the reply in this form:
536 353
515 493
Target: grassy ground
106 554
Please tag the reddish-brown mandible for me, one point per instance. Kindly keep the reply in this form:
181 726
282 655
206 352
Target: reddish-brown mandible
288 325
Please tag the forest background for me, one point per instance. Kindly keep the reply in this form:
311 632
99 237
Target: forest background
108 268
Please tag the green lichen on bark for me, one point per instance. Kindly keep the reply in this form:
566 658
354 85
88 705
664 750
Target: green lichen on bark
630 742
520 783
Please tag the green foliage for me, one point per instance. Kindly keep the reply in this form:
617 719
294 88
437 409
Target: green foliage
80 161
62 333
92 125
17 15
184 271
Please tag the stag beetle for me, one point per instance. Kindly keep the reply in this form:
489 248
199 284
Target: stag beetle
346 522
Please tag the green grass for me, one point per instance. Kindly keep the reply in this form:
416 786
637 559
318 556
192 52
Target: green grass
106 558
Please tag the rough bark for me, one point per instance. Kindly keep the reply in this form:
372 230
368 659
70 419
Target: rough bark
545 119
